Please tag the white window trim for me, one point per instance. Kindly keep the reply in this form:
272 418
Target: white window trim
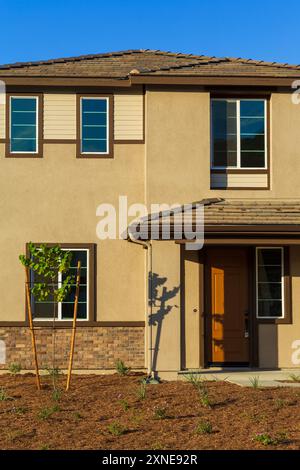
238 167
59 309
36 98
282 282
107 124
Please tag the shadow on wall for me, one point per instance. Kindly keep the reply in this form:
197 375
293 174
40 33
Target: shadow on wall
159 296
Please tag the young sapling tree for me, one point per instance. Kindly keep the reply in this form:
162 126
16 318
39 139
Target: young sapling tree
47 262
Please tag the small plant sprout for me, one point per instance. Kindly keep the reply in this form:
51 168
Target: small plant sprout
295 377
198 383
142 391
195 380
45 447
46 413
116 429
19 410
3 395
204 427
157 446
121 368
264 439
254 381
77 415
56 395
124 404
204 398
14 368
160 413
279 403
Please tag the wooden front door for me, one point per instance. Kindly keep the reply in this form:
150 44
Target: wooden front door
229 305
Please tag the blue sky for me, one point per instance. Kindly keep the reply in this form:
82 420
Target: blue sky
258 29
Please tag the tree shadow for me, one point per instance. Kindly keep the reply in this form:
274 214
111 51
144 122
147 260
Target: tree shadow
159 295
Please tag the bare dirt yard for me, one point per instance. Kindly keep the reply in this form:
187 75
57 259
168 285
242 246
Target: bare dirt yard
118 412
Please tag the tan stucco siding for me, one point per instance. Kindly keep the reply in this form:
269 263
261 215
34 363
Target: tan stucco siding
177 145
166 343
59 116
128 115
54 199
2 121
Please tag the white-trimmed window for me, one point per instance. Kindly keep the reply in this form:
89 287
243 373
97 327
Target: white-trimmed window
23 124
269 283
238 133
43 311
94 125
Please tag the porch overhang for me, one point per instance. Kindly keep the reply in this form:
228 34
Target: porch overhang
228 222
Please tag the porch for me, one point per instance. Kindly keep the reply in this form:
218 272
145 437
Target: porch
236 301
247 377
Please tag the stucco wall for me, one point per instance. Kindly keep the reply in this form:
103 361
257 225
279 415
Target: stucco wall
165 319
178 170
54 199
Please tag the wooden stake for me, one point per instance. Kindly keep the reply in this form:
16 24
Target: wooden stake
38 383
74 326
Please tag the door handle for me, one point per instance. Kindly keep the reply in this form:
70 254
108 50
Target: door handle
246 333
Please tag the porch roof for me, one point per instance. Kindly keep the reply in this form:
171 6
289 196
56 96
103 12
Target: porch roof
224 217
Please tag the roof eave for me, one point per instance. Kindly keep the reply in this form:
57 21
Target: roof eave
13 80
23 80
228 80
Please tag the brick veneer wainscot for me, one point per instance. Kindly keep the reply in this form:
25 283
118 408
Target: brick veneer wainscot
95 347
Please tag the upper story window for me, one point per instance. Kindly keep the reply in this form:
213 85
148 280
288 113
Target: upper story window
95 132
239 137
23 125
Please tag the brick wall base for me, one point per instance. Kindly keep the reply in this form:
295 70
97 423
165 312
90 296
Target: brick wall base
95 347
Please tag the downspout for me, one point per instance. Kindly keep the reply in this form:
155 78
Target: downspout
147 245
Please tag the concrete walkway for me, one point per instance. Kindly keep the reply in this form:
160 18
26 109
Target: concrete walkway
247 377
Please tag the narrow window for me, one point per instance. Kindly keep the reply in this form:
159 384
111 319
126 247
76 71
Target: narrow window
94 125
65 310
23 124
238 133
269 283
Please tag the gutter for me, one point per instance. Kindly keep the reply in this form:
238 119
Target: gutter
147 245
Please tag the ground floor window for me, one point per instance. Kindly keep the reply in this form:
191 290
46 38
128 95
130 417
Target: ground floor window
269 283
64 312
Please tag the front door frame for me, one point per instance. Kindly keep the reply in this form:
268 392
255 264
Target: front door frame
253 324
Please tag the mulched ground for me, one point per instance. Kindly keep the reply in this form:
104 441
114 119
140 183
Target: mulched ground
107 412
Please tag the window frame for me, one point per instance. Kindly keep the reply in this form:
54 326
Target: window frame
91 286
110 127
238 167
39 126
283 287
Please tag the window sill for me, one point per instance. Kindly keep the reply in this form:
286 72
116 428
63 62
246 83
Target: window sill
24 155
240 170
85 156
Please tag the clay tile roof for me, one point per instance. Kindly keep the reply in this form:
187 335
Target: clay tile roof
227 214
255 212
119 65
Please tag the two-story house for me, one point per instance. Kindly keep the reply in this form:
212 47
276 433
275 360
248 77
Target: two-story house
157 127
